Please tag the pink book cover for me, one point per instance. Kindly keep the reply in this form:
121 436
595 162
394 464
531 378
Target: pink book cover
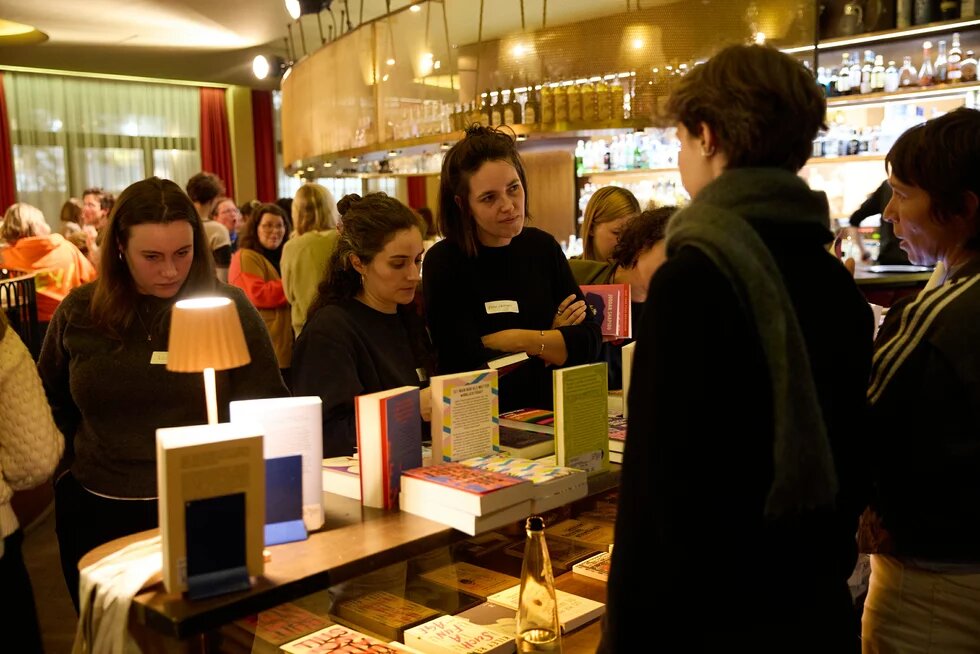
464 478
612 303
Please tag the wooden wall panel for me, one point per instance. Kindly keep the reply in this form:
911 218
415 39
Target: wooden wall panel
551 191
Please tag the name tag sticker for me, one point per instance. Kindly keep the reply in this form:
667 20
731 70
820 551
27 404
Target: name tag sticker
502 306
158 359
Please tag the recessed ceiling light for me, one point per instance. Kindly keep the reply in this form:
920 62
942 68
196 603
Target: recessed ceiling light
12 33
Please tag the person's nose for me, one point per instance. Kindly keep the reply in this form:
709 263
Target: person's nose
890 212
169 268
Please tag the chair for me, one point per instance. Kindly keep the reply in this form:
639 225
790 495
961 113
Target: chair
18 298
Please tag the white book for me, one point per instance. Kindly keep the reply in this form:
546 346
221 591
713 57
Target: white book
292 425
463 521
452 635
596 567
573 610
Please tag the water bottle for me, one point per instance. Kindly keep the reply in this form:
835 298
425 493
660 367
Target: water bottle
538 629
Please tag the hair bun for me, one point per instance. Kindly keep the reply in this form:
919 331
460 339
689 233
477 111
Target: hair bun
347 202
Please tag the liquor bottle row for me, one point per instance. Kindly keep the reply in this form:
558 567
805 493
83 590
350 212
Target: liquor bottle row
853 77
652 148
841 139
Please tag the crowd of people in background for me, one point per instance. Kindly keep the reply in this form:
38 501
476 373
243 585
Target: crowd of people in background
756 374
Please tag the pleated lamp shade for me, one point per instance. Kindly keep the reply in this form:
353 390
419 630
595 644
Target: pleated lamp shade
206 333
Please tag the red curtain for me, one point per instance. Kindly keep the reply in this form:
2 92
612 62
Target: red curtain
8 187
215 140
265 146
416 192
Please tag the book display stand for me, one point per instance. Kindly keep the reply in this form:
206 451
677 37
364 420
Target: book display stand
216 546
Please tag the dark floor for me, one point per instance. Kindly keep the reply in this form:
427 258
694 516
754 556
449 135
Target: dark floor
54 608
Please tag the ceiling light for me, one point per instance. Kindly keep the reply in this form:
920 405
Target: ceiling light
415 9
297 8
637 44
519 50
327 164
437 64
390 61
264 67
12 33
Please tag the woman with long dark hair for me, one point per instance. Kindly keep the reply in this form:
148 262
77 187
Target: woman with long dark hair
362 334
103 364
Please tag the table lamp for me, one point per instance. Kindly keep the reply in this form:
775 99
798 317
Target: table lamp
206 335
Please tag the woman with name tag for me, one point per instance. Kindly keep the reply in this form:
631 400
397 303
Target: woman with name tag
363 333
493 285
103 364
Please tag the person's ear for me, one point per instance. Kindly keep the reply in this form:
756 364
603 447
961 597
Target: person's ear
709 140
355 262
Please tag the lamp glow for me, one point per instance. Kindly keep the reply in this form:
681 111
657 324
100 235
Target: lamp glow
292 6
206 335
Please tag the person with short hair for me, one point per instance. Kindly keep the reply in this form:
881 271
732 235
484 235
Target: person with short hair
104 372
924 589
362 334
306 254
747 407
495 286
58 265
226 212
204 190
255 268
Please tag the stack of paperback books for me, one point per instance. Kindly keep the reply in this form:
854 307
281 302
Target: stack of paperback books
470 499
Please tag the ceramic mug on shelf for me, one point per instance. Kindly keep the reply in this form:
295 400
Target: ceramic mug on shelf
851 20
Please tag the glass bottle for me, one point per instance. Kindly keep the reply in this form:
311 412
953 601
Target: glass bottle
866 70
878 75
475 114
602 102
844 75
497 108
942 64
486 110
512 110
574 94
616 99
560 94
588 102
855 73
968 68
538 629
532 108
891 78
903 13
953 74
927 74
548 104
907 75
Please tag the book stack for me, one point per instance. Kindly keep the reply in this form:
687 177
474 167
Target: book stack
341 475
382 614
617 438
554 486
470 578
465 498
596 567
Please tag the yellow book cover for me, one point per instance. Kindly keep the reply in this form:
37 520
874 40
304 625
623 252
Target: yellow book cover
598 534
465 414
211 485
582 417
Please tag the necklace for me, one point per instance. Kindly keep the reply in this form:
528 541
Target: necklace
149 336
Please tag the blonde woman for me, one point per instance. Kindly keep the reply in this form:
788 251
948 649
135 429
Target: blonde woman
305 256
59 266
605 216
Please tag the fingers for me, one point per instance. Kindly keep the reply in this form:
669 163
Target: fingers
564 304
571 314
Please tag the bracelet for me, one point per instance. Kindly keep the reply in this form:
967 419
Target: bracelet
541 351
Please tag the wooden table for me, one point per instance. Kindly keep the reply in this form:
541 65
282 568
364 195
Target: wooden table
355 540
886 288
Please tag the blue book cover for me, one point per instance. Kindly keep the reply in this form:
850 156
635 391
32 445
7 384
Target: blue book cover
402 434
284 500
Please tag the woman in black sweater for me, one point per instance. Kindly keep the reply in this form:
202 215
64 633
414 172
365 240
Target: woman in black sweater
494 286
362 334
